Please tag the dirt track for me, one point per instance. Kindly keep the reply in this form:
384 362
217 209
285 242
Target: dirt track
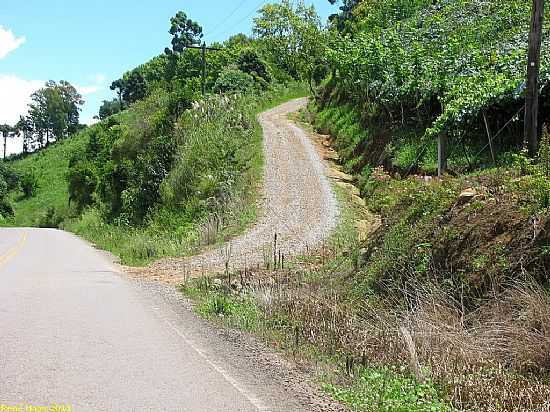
297 204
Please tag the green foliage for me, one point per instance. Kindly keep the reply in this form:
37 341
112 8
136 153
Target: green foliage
49 167
185 32
53 115
6 209
388 390
534 187
544 152
432 67
413 208
82 182
343 123
233 80
52 218
29 183
249 61
9 175
109 107
157 181
291 38
218 301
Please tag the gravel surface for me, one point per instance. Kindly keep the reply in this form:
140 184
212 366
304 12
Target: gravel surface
297 204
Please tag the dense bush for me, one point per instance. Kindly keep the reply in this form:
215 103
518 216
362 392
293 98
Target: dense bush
29 183
433 68
10 176
249 61
82 181
233 80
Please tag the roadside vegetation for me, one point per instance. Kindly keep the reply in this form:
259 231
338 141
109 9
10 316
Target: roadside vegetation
204 192
443 306
432 293
176 160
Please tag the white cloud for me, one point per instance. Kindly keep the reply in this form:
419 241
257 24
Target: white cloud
8 42
85 90
98 81
15 95
99 78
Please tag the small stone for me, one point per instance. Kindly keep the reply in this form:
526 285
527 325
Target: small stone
466 196
339 175
349 187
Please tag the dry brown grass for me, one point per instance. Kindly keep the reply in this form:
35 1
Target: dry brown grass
493 358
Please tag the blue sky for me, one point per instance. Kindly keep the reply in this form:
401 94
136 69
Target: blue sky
92 42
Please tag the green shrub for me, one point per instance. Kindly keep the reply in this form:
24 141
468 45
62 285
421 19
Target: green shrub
29 184
10 176
250 62
388 390
233 80
51 218
82 182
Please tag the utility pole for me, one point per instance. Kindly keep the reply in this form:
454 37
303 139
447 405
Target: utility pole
533 66
203 49
203 79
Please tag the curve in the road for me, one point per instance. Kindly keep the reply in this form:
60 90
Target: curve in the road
298 203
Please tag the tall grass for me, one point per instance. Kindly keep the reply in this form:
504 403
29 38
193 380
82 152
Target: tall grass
210 192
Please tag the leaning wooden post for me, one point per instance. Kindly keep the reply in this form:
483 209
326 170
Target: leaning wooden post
490 137
275 252
441 154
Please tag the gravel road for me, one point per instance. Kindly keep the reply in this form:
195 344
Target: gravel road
297 204
77 332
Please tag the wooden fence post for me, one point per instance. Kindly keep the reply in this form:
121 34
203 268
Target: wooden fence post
441 154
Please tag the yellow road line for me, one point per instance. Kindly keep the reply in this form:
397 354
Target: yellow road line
14 250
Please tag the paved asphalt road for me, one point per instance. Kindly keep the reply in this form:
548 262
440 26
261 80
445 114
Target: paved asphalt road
75 332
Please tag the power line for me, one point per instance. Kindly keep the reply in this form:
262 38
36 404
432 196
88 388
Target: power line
217 26
245 17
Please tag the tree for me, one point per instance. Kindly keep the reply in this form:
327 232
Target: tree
109 107
250 62
233 80
533 66
135 87
71 101
340 20
118 86
238 41
6 131
131 88
54 112
185 32
24 126
291 37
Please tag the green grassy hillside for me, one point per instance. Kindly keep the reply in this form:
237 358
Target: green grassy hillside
217 154
50 168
